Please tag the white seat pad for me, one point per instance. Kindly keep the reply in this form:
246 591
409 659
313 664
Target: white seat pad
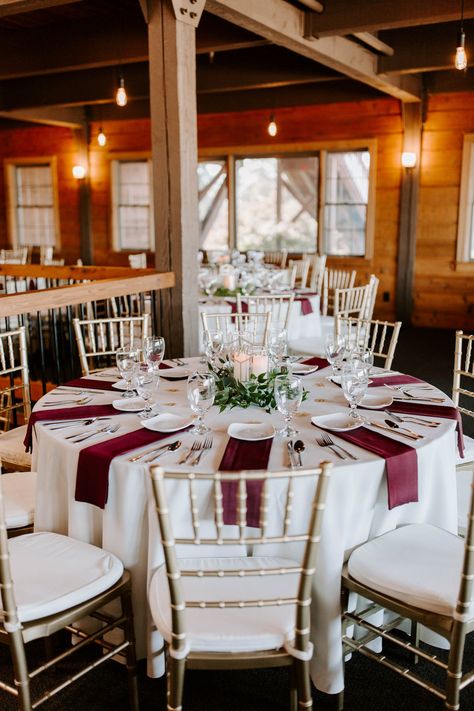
19 493
230 629
52 573
418 564
468 452
12 449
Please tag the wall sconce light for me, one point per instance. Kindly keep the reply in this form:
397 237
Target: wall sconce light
408 159
272 127
79 172
460 60
121 97
101 138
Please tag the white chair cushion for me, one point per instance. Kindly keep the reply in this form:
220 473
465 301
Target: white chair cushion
52 573
12 449
418 564
231 629
468 452
19 494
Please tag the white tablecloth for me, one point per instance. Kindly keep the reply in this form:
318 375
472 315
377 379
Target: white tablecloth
356 507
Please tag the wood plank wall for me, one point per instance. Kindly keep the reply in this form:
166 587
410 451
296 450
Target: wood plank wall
443 296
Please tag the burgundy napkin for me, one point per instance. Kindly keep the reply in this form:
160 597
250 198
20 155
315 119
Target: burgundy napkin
400 461
91 383
65 413
306 307
394 380
92 481
240 455
417 408
321 362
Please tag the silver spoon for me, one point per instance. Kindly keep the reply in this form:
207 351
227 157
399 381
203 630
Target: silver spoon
299 447
170 448
396 426
84 423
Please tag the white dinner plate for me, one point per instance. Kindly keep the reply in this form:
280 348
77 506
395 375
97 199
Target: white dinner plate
179 373
336 379
130 404
376 402
120 385
167 422
336 422
302 369
251 431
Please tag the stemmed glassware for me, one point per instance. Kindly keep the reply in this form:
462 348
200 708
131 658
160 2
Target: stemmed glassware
153 351
278 344
335 351
128 363
201 393
288 395
213 345
354 382
147 382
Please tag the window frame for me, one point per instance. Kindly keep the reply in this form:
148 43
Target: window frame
10 165
466 203
233 153
114 160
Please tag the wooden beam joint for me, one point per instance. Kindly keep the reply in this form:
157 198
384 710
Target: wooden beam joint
188 11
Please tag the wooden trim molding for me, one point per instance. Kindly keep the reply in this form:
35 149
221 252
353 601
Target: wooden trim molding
466 201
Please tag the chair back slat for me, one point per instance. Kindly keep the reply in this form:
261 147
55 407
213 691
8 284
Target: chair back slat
15 398
318 265
351 302
463 371
334 279
98 339
381 337
255 325
278 306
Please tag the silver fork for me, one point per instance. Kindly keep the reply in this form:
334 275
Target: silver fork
80 401
326 441
110 429
412 418
206 446
195 447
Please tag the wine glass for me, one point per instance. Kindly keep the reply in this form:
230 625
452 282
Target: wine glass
288 395
147 382
354 382
335 350
201 393
213 344
128 362
278 344
153 351
364 356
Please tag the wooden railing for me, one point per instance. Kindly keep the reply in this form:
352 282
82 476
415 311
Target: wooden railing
46 299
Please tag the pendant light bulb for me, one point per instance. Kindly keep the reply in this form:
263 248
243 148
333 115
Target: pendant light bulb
272 127
121 96
460 61
101 138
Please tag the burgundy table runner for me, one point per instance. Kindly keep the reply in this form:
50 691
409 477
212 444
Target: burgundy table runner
65 413
417 408
240 455
394 380
401 463
92 480
93 384
320 362
305 304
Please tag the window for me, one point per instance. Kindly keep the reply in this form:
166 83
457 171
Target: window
321 200
33 215
131 198
465 244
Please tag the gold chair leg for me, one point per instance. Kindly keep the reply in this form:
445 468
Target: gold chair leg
305 699
126 600
20 670
176 669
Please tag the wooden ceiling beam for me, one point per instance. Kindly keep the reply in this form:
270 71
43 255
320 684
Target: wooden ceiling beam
344 18
14 7
283 24
58 116
450 81
373 41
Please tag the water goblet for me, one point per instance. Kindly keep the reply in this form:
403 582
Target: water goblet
147 382
364 356
278 344
213 345
128 362
288 395
335 350
354 382
201 390
153 351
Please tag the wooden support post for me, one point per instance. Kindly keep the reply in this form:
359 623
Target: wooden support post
412 121
85 211
172 57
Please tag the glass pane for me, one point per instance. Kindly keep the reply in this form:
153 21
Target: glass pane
346 198
276 203
213 204
134 225
134 183
34 205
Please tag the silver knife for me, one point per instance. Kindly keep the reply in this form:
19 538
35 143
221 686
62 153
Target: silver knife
149 452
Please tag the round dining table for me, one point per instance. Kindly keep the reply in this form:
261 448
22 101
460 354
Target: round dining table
356 509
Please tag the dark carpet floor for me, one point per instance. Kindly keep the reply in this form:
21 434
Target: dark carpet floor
427 353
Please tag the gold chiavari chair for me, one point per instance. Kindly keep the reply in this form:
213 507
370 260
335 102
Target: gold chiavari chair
279 307
334 279
98 339
351 302
14 256
277 257
318 265
380 337
238 612
370 305
302 271
255 325
431 585
46 253
15 401
19 497
48 582
463 393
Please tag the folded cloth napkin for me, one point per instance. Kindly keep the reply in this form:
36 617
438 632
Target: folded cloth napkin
92 383
92 480
240 455
320 362
65 413
388 379
306 307
417 408
401 463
